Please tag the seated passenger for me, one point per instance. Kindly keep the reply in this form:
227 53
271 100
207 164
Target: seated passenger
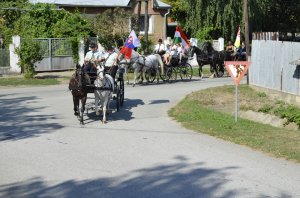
182 52
159 48
173 52
241 53
230 51
92 58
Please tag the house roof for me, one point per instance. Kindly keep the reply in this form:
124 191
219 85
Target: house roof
98 3
86 3
161 5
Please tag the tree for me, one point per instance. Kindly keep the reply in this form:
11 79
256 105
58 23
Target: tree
41 20
111 26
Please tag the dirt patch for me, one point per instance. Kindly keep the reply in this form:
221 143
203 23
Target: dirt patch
267 119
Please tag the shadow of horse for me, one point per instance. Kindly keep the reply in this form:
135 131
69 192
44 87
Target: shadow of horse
208 56
79 92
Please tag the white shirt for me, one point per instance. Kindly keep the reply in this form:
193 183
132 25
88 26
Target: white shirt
93 56
159 47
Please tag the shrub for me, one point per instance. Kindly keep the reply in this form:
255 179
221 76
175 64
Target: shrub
29 53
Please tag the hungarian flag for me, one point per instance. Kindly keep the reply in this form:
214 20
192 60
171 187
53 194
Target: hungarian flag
131 42
180 37
237 42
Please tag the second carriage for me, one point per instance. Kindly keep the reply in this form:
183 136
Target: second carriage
172 70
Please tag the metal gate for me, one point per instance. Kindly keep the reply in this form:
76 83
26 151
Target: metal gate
57 55
4 58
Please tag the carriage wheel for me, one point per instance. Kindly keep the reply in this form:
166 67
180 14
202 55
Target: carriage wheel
150 75
171 75
121 85
163 76
118 98
186 72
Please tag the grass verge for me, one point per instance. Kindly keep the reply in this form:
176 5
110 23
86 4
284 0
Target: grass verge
201 111
19 81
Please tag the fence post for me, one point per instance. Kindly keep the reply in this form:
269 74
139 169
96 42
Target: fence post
14 58
81 52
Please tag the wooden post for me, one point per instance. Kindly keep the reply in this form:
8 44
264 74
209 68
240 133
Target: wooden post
139 14
247 34
146 26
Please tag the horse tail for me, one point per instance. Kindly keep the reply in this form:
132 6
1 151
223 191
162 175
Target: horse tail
160 63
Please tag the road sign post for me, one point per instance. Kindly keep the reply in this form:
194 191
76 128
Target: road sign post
236 70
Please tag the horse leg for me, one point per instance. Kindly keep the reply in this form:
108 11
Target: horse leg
76 105
157 75
213 69
82 100
105 103
96 103
127 77
200 71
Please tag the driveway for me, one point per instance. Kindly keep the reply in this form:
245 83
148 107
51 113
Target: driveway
141 152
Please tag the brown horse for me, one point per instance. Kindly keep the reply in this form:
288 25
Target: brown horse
79 92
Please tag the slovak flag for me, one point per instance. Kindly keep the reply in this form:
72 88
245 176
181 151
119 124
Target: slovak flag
131 42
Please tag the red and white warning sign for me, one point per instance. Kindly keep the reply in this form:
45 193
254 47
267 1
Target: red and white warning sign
237 70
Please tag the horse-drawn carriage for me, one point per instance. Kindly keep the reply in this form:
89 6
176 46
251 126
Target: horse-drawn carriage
178 67
170 71
106 84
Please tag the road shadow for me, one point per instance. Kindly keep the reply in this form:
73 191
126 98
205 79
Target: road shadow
180 179
124 112
19 120
173 180
158 101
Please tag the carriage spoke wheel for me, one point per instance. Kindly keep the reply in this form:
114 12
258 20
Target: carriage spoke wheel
121 85
118 98
150 75
171 75
186 72
163 75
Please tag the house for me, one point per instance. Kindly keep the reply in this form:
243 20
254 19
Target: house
157 12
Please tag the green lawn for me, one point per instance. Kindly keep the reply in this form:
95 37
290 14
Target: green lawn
20 81
208 112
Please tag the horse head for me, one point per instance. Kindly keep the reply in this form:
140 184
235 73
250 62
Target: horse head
191 51
207 47
100 72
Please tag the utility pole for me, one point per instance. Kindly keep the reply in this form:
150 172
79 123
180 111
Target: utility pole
246 19
139 14
146 26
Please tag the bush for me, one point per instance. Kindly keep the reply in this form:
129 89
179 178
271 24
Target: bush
29 53
291 113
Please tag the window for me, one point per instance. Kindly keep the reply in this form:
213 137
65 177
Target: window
142 24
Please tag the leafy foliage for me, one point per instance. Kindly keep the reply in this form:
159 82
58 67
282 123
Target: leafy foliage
40 21
226 16
29 53
290 112
142 49
111 26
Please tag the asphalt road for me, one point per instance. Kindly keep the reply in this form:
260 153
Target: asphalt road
140 152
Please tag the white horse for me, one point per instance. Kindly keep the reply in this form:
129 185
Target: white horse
141 64
104 86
